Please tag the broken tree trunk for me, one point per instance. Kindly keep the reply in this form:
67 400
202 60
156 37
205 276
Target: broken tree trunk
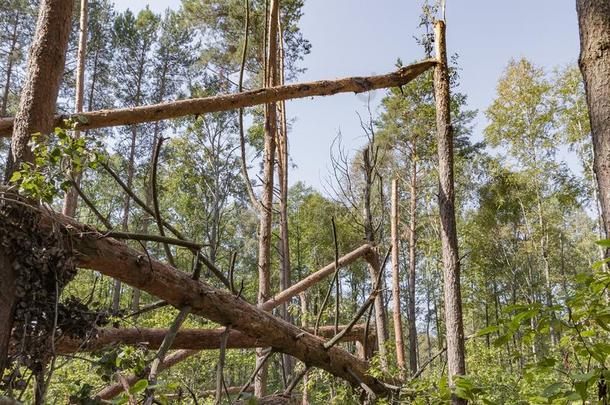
36 112
181 108
446 198
594 62
185 339
115 259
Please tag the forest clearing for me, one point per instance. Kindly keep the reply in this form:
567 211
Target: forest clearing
157 247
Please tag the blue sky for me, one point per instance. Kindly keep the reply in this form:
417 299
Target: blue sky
362 37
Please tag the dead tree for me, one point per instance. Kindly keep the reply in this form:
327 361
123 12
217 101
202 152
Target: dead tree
594 62
185 339
456 363
117 260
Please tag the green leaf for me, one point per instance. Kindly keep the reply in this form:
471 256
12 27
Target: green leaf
598 264
488 330
604 243
139 386
552 390
15 177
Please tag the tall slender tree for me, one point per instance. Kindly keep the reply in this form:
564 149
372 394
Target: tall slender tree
456 355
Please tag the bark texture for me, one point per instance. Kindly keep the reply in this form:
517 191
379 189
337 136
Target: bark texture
44 72
446 198
36 113
594 62
198 106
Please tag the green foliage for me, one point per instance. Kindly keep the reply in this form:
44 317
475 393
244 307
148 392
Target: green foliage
57 157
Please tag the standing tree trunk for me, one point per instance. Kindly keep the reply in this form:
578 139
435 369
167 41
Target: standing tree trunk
413 260
369 160
594 62
266 214
394 220
116 295
36 111
282 150
456 363
71 198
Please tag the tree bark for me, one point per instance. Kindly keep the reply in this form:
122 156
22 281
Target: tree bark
453 300
36 111
594 62
71 197
397 313
198 106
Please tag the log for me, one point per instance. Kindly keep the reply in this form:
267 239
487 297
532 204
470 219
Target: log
117 260
196 106
189 339
363 251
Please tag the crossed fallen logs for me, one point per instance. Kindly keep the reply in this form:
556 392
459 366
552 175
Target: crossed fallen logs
117 260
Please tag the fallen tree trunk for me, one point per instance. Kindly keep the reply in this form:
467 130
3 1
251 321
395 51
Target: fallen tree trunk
181 108
189 339
115 259
363 251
